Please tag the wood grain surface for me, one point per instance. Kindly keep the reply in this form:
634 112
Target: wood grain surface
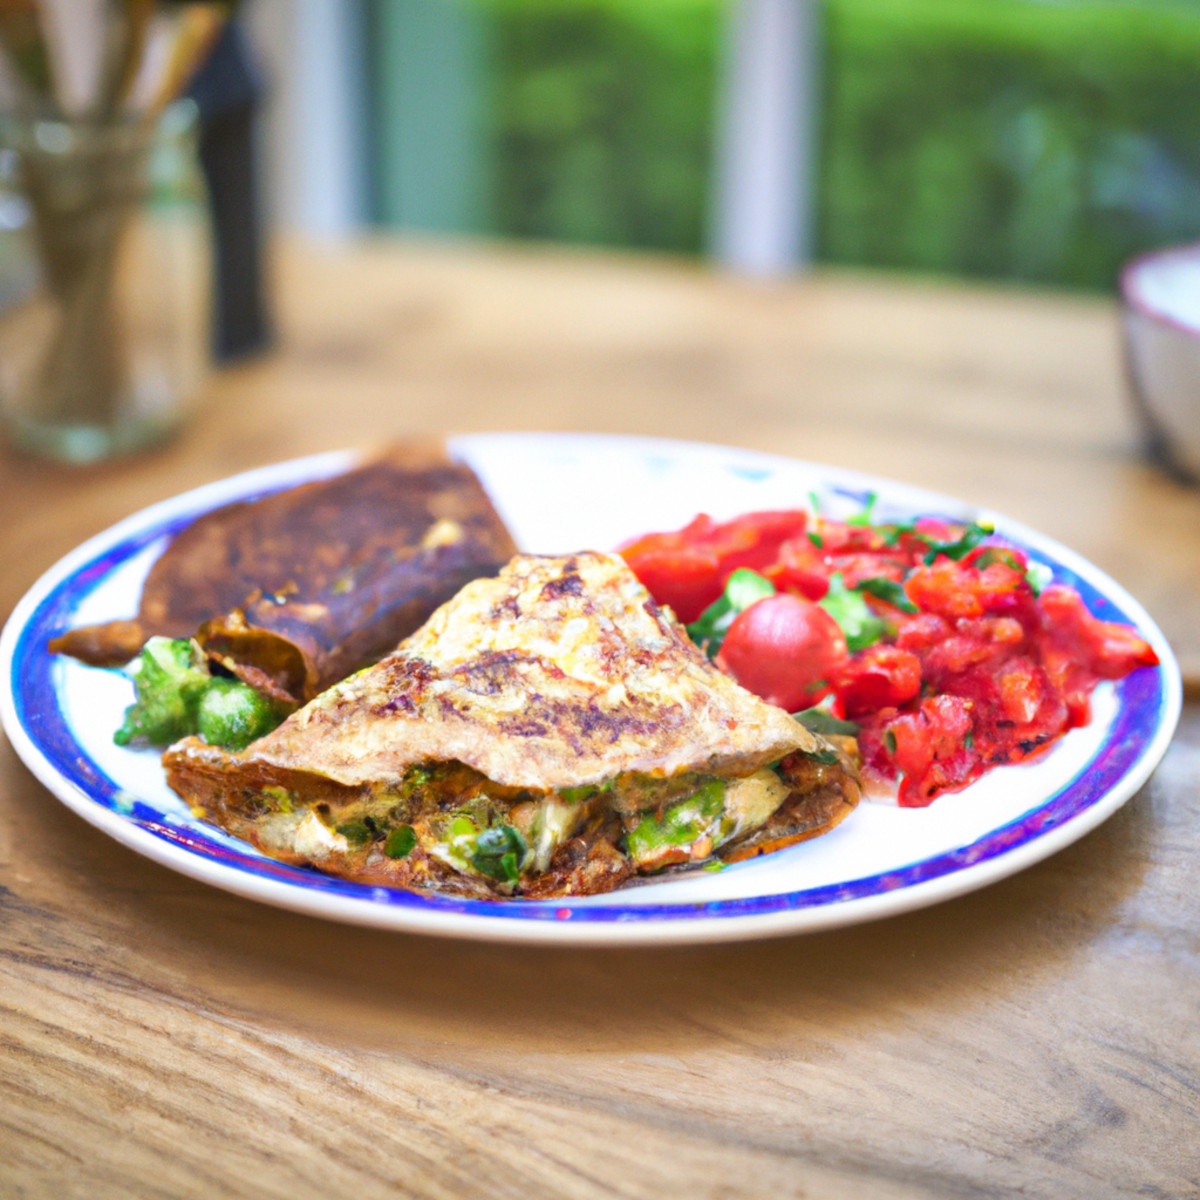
159 1038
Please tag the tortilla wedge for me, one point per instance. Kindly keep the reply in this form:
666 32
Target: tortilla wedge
293 591
549 731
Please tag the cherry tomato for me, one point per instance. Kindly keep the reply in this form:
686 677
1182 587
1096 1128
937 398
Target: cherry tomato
785 650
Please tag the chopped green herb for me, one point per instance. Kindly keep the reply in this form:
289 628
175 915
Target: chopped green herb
281 798
891 533
821 720
867 515
1038 576
815 538
414 777
357 833
679 825
499 853
973 536
890 592
462 827
400 842
848 608
889 740
998 554
743 588
575 794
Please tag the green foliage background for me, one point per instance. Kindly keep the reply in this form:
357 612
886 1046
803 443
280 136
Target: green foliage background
1009 138
601 115
1039 140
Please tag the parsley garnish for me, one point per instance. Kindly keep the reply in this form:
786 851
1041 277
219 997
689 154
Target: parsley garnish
867 516
848 608
972 536
743 588
400 842
821 720
890 592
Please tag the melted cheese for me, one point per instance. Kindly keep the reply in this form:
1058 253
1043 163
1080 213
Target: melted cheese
303 835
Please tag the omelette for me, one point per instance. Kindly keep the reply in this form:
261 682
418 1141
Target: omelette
549 731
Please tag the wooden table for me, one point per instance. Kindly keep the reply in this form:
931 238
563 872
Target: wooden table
162 1039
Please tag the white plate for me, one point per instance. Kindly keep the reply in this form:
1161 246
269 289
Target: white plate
568 492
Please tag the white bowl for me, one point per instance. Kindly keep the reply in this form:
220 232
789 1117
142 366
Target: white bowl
1161 317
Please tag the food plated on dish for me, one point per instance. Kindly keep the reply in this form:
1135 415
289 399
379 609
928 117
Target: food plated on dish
501 846
547 732
943 649
293 590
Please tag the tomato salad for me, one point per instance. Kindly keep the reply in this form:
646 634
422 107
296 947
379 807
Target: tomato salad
941 647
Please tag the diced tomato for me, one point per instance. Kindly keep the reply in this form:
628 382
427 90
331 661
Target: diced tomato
878 677
921 631
1020 691
930 748
1071 679
799 567
969 643
855 568
984 672
784 649
838 537
954 590
688 580
1108 649
688 568
935 529
753 540
984 556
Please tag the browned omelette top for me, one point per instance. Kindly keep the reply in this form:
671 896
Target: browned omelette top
559 672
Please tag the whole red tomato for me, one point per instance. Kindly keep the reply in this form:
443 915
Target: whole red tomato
785 650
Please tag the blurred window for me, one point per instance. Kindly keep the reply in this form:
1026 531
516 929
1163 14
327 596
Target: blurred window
1013 139
574 120
1037 140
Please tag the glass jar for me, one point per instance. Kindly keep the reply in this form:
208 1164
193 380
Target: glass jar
105 282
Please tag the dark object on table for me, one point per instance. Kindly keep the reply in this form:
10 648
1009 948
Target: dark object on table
227 91
297 590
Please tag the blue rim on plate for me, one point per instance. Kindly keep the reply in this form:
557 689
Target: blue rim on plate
32 705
